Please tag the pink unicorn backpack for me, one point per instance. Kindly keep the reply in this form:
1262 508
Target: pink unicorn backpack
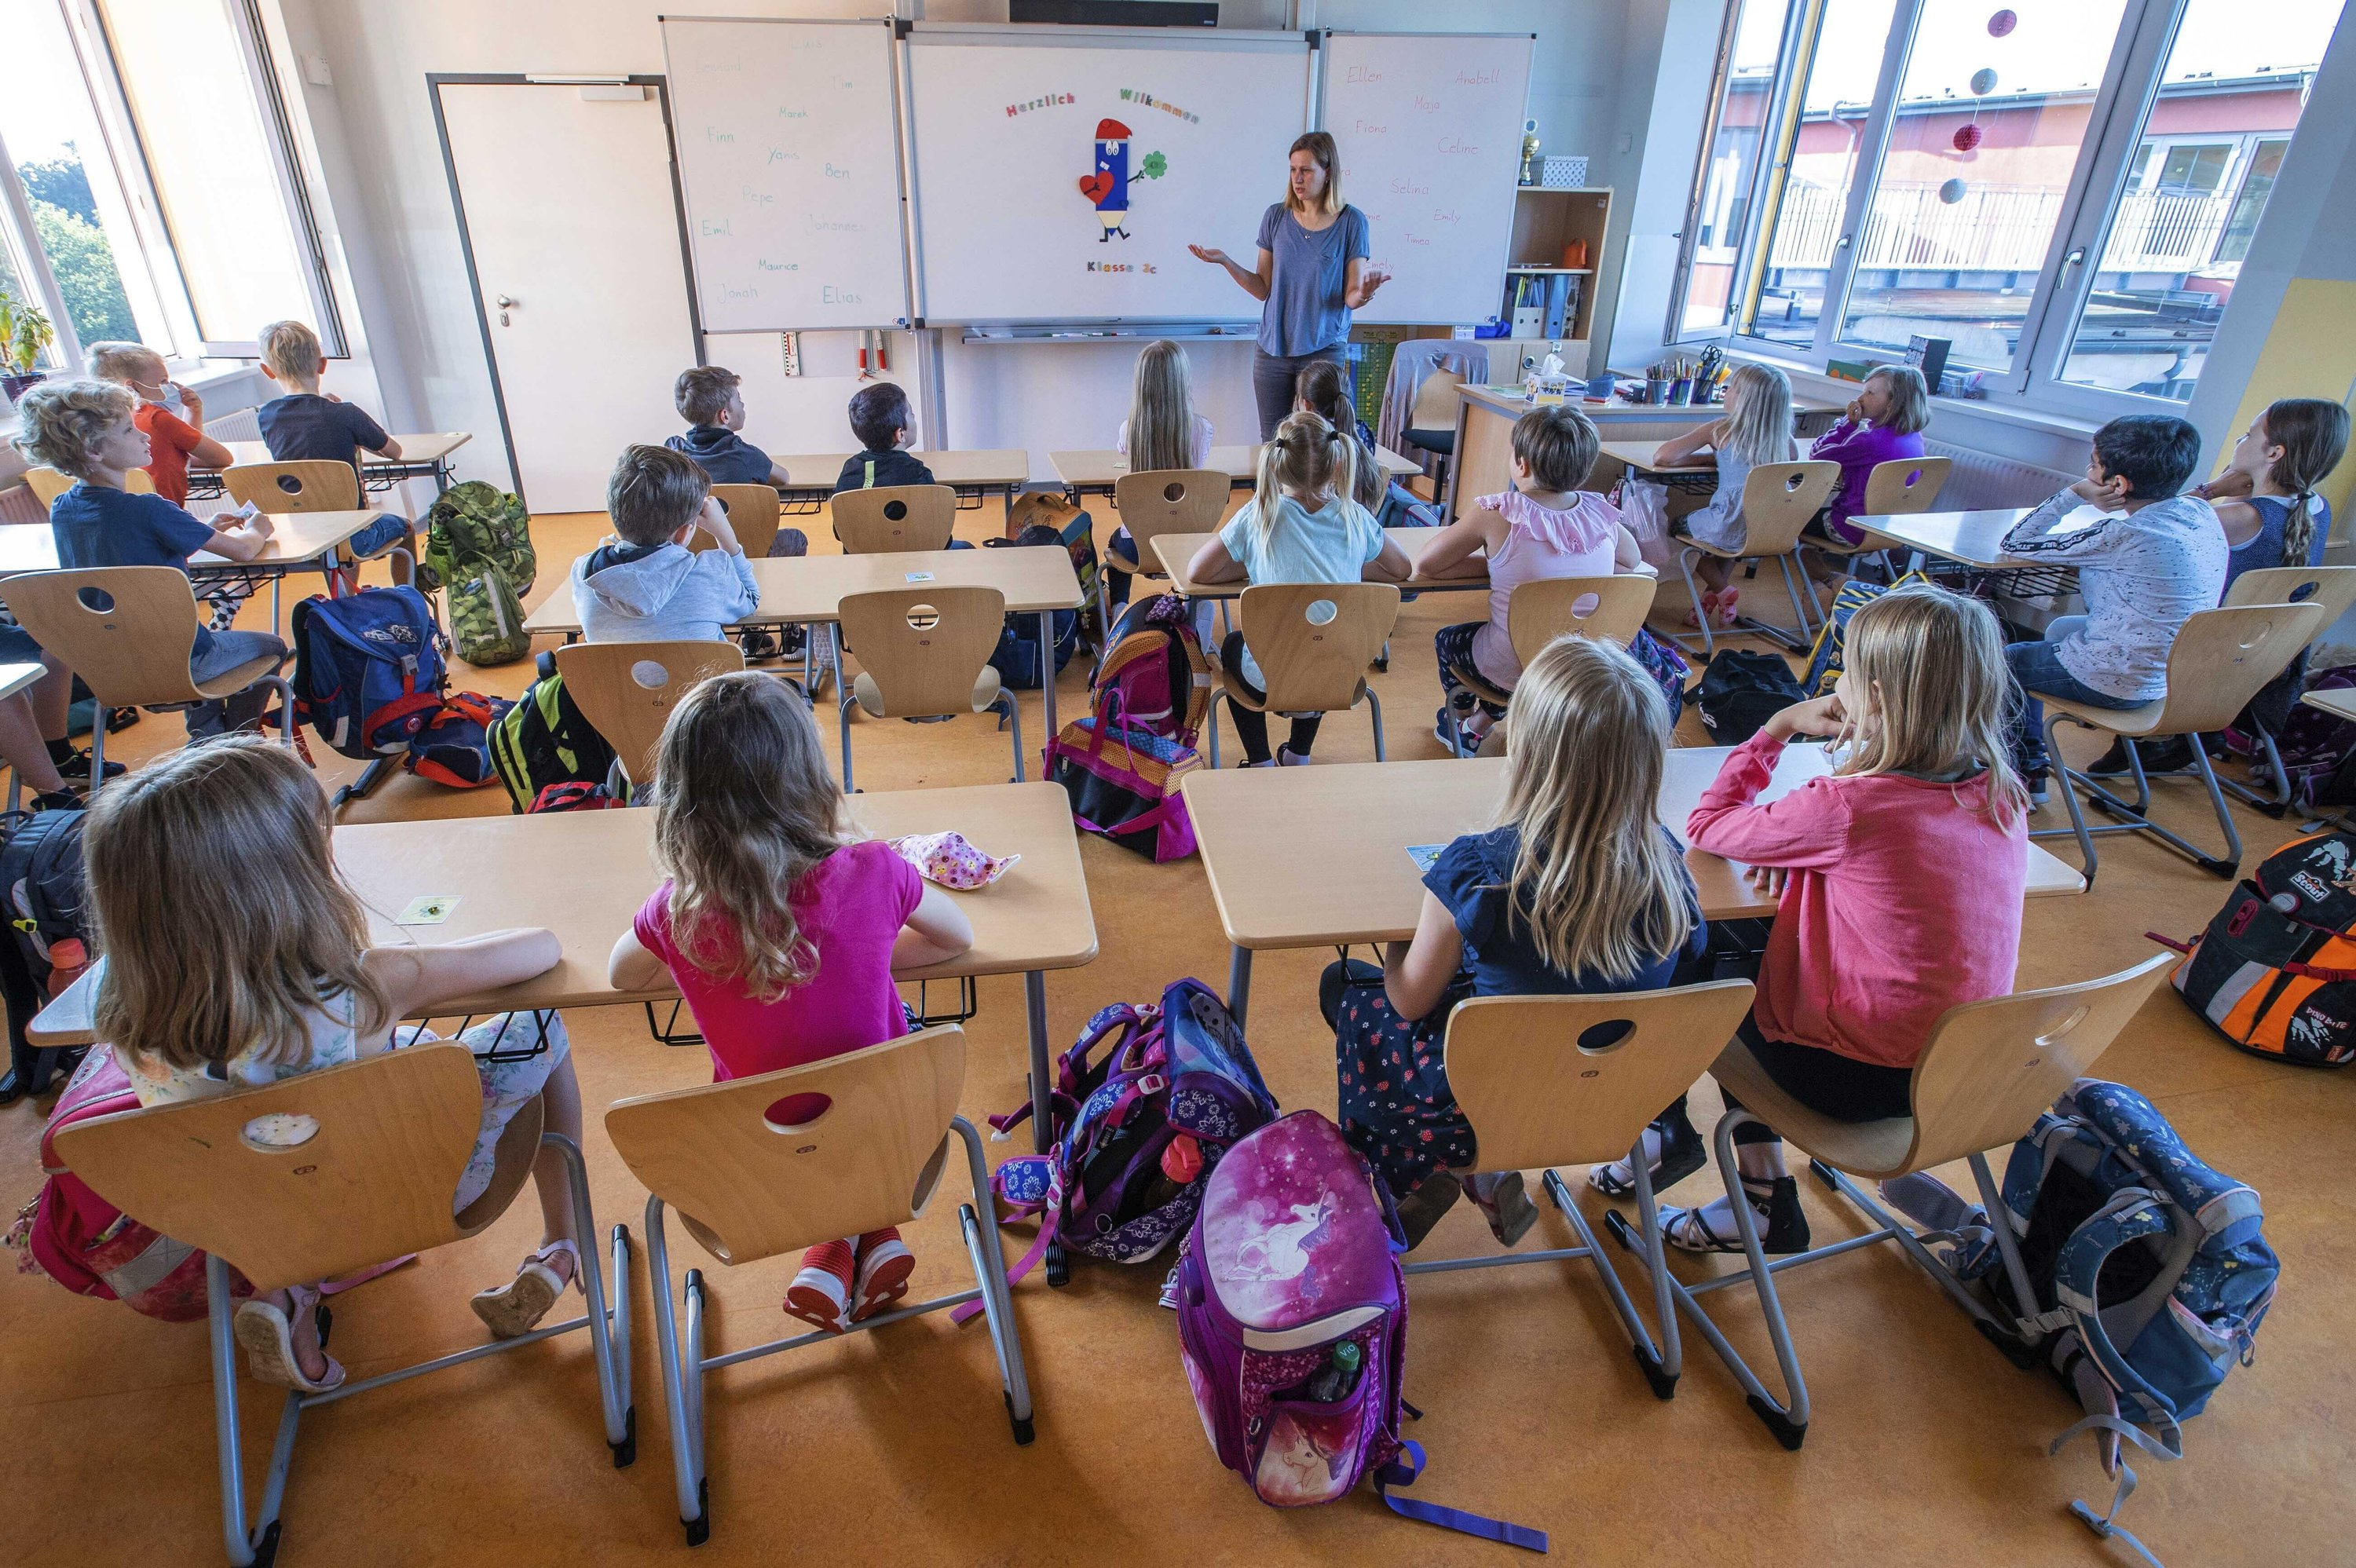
1292 1326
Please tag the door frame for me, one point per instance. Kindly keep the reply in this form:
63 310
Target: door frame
435 82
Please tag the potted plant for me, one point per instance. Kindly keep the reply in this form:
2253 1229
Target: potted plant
25 332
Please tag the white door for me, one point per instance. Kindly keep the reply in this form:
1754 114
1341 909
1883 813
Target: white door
568 208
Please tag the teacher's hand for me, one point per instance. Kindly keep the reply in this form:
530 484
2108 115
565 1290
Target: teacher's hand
1369 281
1208 253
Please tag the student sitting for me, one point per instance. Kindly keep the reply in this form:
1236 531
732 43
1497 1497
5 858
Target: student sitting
304 425
1545 526
711 402
171 416
882 419
1900 879
644 585
1300 526
782 928
1162 431
85 429
1757 429
1323 389
1884 424
277 978
2155 557
1580 889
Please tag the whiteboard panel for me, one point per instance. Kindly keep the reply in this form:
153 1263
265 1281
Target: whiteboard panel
1430 131
1024 215
789 154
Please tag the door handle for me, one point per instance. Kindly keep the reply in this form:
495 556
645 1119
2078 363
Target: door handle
506 304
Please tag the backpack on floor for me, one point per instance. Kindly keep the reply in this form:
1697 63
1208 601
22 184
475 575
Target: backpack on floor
1292 1326
1740 691
1016 657
2275 970
454 749
1824 657
574 796
1121 762
479 546
1665 664
1077 531
544 740
2318 749
368 669
45 894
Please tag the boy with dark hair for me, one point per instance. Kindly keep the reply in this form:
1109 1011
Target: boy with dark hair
645 585
881 418
709 399
2151 559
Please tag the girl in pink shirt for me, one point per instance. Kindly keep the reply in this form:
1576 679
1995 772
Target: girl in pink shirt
781 928
1901 880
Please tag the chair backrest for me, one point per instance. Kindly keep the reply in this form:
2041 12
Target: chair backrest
125 630
315 485
1549 1080
1314 641
1544 608
313 1177
2221 658
759 1166
1778 499
1991 1066
895 517
47 484
2333 587
924 647
752 511
1906 485
1435 402
626 690
1156 501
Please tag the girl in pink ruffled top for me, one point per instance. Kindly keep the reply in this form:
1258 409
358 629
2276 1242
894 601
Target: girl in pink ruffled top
1544 526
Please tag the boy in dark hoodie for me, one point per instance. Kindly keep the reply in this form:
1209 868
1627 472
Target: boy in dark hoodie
645 585
708 399
880 418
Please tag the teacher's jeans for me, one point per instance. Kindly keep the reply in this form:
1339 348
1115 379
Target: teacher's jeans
1276 377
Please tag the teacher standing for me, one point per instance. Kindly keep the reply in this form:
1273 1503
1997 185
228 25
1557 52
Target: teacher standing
1311 275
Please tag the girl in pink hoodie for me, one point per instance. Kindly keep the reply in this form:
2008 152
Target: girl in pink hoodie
1901 878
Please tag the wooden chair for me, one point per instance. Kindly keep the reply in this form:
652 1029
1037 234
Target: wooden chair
1778 499
311 485
924 652
1314 643
1901 486
1613 608
47 484
1988 1071
2218 662
128 632
321 1175
895 517
627 691
753 512
1156 501
756 1167
1555 1081
1431 421
2334 588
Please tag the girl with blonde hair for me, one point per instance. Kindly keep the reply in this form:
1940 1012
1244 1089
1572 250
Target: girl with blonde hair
1162 431
781 927
1757 429
1300 526
273 976
1579 888
1900 876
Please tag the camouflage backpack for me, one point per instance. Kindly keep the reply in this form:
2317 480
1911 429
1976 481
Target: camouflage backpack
479 546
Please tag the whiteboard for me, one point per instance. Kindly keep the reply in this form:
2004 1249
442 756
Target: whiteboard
1430 131
1017 221
789 141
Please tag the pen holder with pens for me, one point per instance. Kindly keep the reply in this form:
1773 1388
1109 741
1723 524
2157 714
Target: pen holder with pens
1656 390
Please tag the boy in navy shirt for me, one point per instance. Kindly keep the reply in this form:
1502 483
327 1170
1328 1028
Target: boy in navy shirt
304 425
708 398
880 418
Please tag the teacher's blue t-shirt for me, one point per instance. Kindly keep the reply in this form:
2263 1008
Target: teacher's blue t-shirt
1304 311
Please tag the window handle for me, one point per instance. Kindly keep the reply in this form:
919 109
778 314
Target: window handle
2076 258
1842 243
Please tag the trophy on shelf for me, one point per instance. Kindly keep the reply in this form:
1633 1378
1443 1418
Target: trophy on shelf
1529 150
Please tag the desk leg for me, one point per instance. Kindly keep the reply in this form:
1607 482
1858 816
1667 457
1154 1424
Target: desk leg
1238 983
1034 1006
1047 678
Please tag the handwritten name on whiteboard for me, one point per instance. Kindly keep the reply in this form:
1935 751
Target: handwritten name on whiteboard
1364 74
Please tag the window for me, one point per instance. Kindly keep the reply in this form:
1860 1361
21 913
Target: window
1730 163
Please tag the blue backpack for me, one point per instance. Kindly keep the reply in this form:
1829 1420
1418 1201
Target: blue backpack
368 669
1016 657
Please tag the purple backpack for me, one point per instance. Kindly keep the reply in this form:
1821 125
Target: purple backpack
1122 762
1292 1326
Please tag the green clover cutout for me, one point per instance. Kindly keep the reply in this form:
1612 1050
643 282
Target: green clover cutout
1155 166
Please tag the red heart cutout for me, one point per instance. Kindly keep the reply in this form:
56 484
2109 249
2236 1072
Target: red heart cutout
1095 187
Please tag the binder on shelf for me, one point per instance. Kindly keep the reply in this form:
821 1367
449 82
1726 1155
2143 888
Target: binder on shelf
1558 292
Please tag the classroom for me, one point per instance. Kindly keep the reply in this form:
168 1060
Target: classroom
723 729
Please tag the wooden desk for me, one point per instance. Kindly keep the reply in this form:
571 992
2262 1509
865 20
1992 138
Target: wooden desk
2338 701
974 475
1095 471
583 874
1638 455
425 456
297 540
1317 856
15 678
1176 551
1967 537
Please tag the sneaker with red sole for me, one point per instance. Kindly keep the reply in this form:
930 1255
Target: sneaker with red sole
820 1294
885 1264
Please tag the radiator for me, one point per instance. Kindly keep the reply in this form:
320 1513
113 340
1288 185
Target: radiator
1981 483
239 426
18 504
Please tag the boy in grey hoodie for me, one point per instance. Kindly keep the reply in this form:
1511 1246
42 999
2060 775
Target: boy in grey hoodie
645 585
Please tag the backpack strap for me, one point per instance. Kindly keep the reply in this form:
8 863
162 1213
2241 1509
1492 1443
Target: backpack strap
1049 1218
1402 1471
2132 1215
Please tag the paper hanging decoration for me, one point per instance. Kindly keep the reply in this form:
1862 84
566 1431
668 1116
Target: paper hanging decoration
1983 81
1952 192
1967 136
2000 24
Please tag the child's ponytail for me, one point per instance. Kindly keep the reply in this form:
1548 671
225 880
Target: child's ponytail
1267 487
1306 453
2313 435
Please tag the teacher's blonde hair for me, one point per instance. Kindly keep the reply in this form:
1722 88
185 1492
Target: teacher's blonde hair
1318 144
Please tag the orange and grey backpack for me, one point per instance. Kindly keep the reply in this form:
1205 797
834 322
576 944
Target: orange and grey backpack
2277 968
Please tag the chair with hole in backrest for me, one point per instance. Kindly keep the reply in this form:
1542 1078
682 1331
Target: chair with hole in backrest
1894 488
323 1175
1778 499
895 517
128 631
627 691
1156 501
1544 608
756 1167
310 485
2219 661
752 513
47 484
924 652
2334 588
1575 1080
1313 643
1987 1071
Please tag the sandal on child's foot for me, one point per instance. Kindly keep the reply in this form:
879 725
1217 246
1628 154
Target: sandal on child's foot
268 1336
1774 1206
885 1264
1707 611
512 1310
1725 611
1505 1202
1420 1210
820 1294
1676 1150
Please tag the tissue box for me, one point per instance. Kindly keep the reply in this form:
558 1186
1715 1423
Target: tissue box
1558 173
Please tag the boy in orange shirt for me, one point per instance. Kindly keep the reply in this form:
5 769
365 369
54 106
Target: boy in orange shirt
174 437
